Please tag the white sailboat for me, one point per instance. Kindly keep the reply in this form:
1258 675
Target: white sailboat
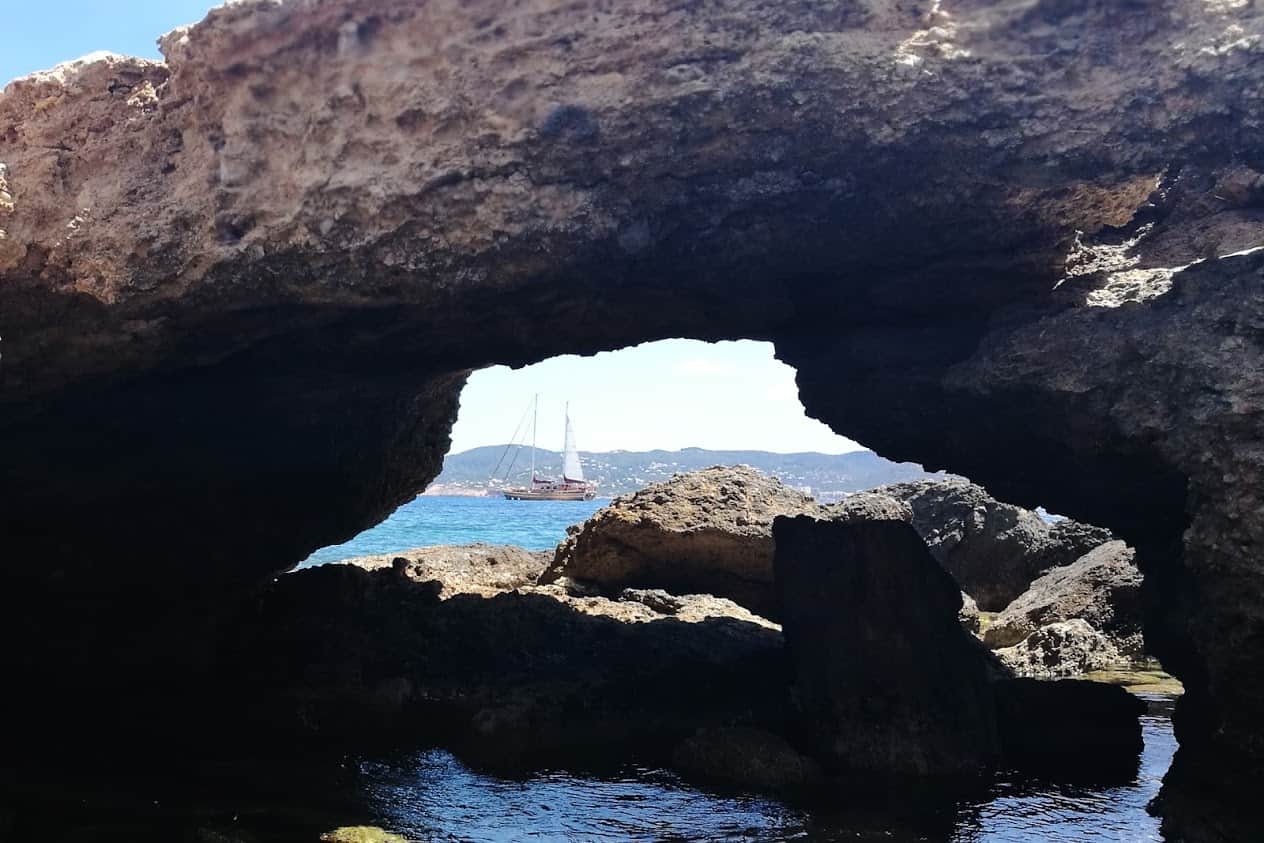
571 487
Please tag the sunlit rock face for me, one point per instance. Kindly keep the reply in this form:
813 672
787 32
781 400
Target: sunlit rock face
240 290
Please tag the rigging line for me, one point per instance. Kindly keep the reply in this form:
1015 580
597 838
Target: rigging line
506 451
512 440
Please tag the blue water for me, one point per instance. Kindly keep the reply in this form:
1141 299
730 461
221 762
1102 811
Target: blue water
535 525
432 796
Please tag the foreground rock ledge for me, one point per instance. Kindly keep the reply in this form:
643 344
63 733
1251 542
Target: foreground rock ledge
240 290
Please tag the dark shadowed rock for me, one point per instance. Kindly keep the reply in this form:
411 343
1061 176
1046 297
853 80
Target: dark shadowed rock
993 549
1060 649
1102 588
340 655
706 531
1089 729
885 678
748 758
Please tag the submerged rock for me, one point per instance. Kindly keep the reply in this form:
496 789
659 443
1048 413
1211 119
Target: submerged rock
885 678
993 549
1101 588
1061 649
706 531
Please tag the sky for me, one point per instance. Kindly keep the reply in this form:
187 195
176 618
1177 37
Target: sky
670 395
38 36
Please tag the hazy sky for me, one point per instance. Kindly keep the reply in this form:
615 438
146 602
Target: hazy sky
671 394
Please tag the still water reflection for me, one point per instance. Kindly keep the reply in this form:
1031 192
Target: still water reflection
432 796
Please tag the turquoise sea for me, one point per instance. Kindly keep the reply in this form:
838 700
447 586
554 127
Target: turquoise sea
535 525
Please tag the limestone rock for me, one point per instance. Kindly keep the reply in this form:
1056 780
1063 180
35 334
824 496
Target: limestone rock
706 531
1062 649
993 549
868 506
885 678
479 568
338 653
1102 588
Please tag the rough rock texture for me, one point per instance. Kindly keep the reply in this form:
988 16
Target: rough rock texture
994 550
868 506
240 289
337 654
478 568
1102 588
705 531
1061 649
885 679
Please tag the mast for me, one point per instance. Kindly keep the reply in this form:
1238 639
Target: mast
535 417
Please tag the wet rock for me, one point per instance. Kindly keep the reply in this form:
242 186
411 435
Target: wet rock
885 678
1102 588
993 549
749 758
1060 649
1087 729
706 532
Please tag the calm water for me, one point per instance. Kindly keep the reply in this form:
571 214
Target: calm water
535 525
431 795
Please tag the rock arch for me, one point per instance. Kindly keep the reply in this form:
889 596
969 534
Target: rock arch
240 290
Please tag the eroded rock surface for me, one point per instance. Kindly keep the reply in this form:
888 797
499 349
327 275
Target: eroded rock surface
1102 588
1062 649
993 549
484 569
240 289
705 531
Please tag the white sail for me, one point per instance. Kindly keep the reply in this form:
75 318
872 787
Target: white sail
571 469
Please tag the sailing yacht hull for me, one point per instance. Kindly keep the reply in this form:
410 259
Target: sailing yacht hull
550 494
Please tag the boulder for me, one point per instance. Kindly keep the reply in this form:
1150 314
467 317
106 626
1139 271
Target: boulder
1101 588
885 679
993 549
707 531
339 655
1065 648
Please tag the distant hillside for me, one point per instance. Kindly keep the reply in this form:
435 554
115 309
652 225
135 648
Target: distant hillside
827 476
